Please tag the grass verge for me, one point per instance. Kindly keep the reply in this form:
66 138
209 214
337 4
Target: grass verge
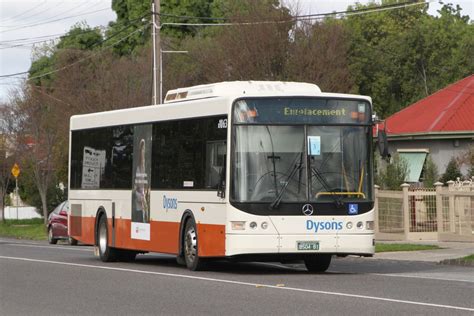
469 258
382 247
23 229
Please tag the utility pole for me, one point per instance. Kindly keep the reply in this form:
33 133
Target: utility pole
155 7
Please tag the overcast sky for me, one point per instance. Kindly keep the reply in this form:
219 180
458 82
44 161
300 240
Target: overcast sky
23 21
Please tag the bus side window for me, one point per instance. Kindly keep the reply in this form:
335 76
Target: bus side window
215 162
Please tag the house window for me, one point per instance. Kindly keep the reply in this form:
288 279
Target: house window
415 159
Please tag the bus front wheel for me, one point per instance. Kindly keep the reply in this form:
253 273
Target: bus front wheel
190 247
318 263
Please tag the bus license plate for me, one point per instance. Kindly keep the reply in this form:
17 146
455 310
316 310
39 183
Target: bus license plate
308 245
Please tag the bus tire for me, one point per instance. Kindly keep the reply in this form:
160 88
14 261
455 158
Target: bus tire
318 263
106 253
71 241
190 247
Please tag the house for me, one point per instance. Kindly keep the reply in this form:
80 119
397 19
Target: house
440 125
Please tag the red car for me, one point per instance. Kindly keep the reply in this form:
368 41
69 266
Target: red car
57 225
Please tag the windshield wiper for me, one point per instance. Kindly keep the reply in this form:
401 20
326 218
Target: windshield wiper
337 200
277 200
273 158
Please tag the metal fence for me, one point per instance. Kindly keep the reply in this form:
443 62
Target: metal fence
441 213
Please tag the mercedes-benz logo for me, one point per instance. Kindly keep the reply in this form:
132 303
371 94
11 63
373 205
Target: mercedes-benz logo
307 209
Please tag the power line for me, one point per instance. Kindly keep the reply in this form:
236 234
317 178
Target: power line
24 12
88 57
310 17
50 17
52 21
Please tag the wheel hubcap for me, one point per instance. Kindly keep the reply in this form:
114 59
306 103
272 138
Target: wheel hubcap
50 234
190 249
102 238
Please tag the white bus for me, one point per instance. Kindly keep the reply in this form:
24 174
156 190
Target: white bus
246 171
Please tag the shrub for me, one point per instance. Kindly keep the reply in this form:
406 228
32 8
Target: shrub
394 174
452 171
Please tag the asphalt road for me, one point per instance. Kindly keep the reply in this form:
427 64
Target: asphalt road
41 279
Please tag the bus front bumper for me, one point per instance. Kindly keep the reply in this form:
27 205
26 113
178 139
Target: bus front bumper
343 244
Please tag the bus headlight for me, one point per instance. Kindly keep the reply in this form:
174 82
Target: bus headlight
369 225
238 225
264 225
360 225
349 225
253 225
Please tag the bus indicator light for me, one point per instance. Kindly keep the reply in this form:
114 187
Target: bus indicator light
238 225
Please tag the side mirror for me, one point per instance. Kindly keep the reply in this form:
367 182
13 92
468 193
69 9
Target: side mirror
382 144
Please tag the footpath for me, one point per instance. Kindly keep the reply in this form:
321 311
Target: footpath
450 253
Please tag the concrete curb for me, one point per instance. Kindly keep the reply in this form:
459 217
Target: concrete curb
458 262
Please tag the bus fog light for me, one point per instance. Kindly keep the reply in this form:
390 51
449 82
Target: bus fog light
369 225
264 225
349 225
238 225
253 225
360 225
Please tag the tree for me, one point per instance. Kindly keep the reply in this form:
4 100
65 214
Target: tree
401 56
430 173
33 124
452 171
6 163
394 174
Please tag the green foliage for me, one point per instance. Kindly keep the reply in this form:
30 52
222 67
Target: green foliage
29 192
379 247
430 173
401 56
8 200
82 37
452 171
394 174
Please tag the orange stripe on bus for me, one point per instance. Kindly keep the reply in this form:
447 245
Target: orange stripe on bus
211 240
164 236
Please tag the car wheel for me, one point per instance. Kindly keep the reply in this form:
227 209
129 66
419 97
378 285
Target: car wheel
51 238
190 247
106 253
317 263
72 241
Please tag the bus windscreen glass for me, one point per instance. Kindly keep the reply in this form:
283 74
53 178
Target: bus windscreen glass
300 162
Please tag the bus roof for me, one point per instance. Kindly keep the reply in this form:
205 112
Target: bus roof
176 101
242 88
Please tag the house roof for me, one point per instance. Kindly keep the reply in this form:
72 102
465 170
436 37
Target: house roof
448 110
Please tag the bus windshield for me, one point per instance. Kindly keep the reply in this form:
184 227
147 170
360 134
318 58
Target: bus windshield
282 163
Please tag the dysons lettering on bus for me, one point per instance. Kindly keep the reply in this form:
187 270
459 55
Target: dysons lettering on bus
170 203
326 225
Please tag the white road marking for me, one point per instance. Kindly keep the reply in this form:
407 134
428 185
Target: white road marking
243 283
421 277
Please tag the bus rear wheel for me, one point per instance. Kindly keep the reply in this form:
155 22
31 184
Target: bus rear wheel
190 247
106 253
318 263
